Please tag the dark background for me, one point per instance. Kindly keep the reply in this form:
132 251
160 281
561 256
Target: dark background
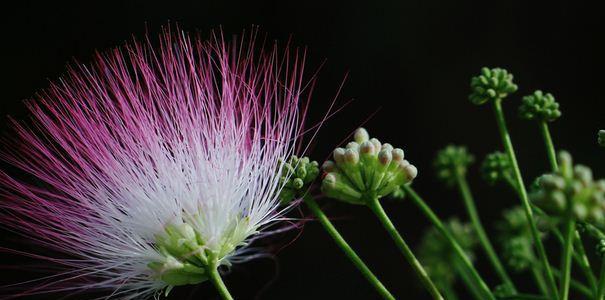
409 62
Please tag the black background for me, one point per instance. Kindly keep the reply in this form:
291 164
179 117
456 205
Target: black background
409 63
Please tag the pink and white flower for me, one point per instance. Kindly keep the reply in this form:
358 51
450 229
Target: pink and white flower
150 148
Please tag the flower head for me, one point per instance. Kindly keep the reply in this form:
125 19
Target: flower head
496 167
452 161
365 169
573 190
516 240
436 254
490 85
539 106
296 176
155 163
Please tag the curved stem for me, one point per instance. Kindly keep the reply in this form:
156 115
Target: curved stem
216 279
349 252
405 249
428 212
481 234
550 148
508 145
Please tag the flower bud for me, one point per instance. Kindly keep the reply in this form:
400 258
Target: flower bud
387 147
398 154
351 156
366 169
339 155
496 167
328 166
385 157
540 107
353 146
451 162
601 138
297 175
367 148
491 85
570 189
361 135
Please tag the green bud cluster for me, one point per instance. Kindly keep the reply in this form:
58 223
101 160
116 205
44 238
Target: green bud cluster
496 167
572 190
516 240
365 169
184 261
436 253
296 176
601 138
452 161
540 107
491 85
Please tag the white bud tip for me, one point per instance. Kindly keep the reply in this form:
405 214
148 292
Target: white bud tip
339 155
330 179
351 156
385 157
398 154
387 147
411 172
404 163
367 148
328 166
353 145
361 135
377 144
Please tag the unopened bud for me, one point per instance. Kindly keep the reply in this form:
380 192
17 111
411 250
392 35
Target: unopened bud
351 156
398 154
361 135
411 172
328 166
367 148
339 155
387 147
385 157
353 146
376 143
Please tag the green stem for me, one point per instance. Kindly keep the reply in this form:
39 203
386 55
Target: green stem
349 252
481 234
582 260
428 212
550 148
508 145
524 297
579 255
448 291
601 284
216 279
466 277
539 278
375 206
566 257
578 286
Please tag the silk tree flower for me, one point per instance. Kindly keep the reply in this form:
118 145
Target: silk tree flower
156 164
